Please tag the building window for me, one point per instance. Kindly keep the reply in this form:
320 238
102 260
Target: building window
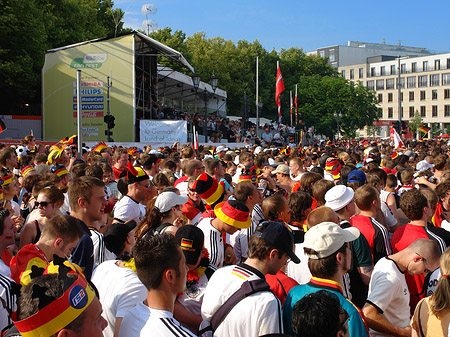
411 81
413 67
411 112
422 81
434 111
422 111
383 70
446 79
448 63
380 112
434 80
390 83
425 66
402 82
361 73
437 64
380 84
343 73
332 56
372 71
390 112
447 110
423 96
403 68
352 74
380 98
393 69
447 93
390 97
411 96
370 85
434 94
322 53
402 112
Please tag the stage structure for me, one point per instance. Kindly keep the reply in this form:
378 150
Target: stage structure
121 77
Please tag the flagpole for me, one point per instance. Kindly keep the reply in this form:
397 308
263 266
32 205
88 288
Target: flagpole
257 96
296 111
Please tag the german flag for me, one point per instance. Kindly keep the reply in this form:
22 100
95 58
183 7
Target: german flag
424 129
69 140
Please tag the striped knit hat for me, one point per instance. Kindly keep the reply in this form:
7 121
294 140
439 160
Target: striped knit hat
209 189
333 166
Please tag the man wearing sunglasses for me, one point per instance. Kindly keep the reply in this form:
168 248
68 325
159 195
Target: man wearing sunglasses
386 309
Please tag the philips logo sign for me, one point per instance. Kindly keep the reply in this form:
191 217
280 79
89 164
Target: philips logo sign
94 58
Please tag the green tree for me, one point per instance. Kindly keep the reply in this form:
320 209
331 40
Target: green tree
415 123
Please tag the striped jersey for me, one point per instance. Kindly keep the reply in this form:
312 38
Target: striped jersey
144 321
213 242
376 235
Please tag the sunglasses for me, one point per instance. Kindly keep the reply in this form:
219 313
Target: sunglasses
42 204
341 324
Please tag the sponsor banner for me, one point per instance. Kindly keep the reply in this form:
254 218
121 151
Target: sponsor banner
113 58
163 131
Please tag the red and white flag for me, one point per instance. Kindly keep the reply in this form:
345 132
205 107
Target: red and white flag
279 88
295 101
397 140
195 139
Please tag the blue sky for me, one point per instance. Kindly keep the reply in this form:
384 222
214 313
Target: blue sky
303 23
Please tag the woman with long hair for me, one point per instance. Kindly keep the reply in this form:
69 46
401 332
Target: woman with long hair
432 315
48 202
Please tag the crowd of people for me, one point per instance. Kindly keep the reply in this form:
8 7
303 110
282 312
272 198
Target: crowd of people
329 239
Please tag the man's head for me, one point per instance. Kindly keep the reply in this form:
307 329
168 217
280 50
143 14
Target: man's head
443 192
87 198
281 172
367 198
194 168
232 215
319 315
57 305
160 263
321 214
8 157
272 243
296 165
328 247
340 199
423 257
415 205
150 162
120 237
62 232
191 240
319 190
120 159
214 167
248 194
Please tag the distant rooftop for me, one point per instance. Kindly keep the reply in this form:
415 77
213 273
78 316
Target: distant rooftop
384 46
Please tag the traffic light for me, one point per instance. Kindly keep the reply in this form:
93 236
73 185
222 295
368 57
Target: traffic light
396 125
404 125
109 120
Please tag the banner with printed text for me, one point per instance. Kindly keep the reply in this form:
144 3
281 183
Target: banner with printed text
97 60
162 131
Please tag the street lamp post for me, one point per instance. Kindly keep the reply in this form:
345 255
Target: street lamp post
205 96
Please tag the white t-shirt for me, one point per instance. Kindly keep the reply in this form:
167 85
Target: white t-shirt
213 242
8 299
15 206
389 293
299 272
120 289
144 321
101 253
256 315
128 209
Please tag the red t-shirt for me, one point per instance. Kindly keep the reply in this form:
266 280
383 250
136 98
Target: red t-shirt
280 284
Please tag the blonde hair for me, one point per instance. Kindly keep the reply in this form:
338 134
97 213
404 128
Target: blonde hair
440 300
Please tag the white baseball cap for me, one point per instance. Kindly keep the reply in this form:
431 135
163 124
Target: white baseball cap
166 200
327 238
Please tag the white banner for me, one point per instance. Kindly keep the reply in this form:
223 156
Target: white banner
163 131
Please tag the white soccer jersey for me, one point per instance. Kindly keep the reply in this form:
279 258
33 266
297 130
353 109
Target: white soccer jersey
101 253
119 289
144 321
256 315
213 242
